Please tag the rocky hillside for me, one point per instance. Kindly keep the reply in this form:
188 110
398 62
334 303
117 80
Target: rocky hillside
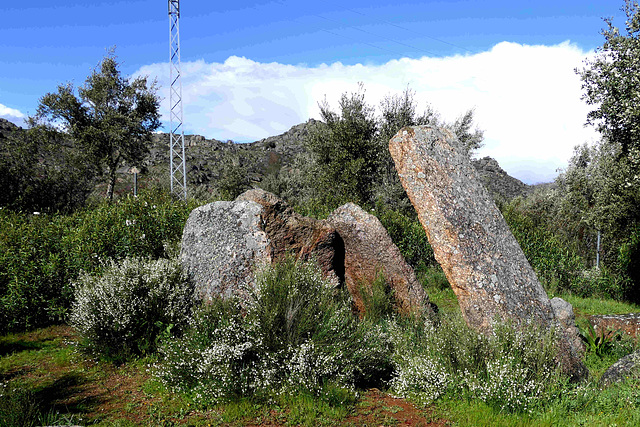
208 159
500 185
6 128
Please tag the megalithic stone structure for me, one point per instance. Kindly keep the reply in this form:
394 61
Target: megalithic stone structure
482 260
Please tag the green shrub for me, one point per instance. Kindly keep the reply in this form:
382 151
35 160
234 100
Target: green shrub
510 370
629 262
124 311
34 273
41 254
558 267
377 299
296 335
131 227
409 236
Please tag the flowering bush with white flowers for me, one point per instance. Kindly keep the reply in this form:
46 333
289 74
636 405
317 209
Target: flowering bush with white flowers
508 384
510 370
421 378
124 311
297 334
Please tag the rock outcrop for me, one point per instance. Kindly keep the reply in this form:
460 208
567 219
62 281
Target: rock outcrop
223 243
628 324
482 260
624 368
369 251
498 183
7 128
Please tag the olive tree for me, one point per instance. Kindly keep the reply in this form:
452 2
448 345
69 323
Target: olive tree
111 119
344 150
349 149
611 83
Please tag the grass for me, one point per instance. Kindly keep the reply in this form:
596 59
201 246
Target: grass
583 307
46 380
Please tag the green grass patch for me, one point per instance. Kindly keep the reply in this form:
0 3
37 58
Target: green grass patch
591 306
437 287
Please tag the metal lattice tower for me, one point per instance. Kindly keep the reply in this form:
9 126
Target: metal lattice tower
176 135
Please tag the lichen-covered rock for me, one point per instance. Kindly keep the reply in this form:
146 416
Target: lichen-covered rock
369 251
572 347
482 260
628 324
299 236
225 243
222 243
470 239
624 368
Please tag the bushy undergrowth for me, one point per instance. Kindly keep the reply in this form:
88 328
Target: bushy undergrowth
556 265
512 370
41 254
122 312
409 236
297 335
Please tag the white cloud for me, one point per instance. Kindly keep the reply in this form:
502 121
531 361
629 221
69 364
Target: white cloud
527 98
12 115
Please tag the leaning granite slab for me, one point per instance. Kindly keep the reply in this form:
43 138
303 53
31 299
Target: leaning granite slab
369 251
482 260
628 324
626 367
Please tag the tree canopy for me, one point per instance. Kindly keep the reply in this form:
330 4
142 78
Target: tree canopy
611 83
111 119
349 151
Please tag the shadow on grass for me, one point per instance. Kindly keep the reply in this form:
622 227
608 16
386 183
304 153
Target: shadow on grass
28 407
9 347
66 394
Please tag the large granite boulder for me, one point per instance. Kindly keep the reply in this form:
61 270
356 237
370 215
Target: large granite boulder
369 251
482 260
222 242
299 236
225 243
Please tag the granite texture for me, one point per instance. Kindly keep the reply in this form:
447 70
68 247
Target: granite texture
369 251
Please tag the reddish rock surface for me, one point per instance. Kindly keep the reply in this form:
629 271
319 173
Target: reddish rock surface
369 251
628 324
302 237
482 260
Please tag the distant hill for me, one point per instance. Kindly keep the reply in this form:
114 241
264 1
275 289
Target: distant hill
6 128
208 159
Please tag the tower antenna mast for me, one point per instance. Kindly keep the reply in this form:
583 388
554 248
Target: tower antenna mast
177 162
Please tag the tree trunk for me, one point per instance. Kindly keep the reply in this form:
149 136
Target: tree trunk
112 183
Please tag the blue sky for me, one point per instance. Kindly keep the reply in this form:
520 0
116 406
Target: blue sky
254 68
